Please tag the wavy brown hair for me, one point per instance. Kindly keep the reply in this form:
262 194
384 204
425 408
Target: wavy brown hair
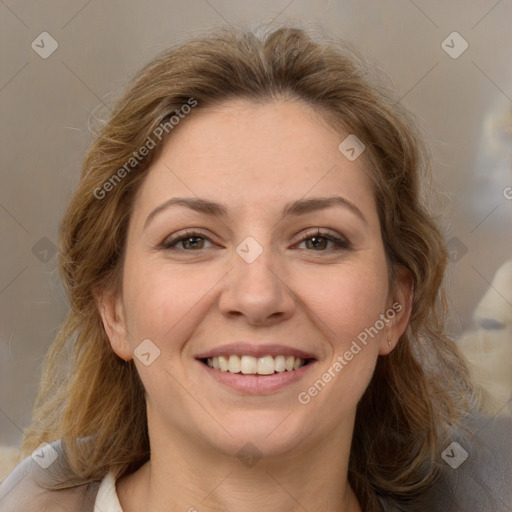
417 392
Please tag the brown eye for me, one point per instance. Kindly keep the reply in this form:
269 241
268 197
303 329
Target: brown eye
192 242
189 241
319 240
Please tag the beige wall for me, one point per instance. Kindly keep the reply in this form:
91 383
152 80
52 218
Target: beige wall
45 104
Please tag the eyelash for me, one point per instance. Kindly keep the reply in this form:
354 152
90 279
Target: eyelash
340 243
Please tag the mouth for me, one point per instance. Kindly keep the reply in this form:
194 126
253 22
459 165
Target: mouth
256 375
255 368
251 365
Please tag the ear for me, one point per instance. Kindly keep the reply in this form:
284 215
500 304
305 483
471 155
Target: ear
399 310
111 309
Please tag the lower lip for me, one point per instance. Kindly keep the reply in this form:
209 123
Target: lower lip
258 384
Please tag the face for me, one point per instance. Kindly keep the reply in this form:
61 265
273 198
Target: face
273 249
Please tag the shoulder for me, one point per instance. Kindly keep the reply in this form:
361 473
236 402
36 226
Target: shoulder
26 487
476 470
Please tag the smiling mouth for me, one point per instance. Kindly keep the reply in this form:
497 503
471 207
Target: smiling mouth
250 365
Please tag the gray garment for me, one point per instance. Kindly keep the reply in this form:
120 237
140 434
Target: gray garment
481 483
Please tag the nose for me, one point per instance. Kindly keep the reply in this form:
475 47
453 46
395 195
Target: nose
257 291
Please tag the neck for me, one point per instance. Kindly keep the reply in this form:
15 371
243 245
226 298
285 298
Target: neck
184 476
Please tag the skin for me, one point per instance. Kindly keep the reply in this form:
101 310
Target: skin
253 158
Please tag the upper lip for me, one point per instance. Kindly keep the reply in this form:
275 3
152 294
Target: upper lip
256 350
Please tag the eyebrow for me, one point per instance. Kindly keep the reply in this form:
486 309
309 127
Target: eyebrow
294 208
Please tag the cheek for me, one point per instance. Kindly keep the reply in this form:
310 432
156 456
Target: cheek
162 302
355 299
350 299
349 307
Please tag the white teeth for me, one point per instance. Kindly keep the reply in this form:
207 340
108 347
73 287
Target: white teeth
266 365
279 364
223 363
248 364
234 364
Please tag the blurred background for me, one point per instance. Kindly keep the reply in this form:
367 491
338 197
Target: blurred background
450 62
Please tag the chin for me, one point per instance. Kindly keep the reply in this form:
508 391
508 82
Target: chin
262 435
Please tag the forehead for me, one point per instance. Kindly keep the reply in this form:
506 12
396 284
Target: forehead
244 153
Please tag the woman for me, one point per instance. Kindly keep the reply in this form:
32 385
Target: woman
255 286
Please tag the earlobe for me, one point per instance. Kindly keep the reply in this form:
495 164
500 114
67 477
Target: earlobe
401 307
111 309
